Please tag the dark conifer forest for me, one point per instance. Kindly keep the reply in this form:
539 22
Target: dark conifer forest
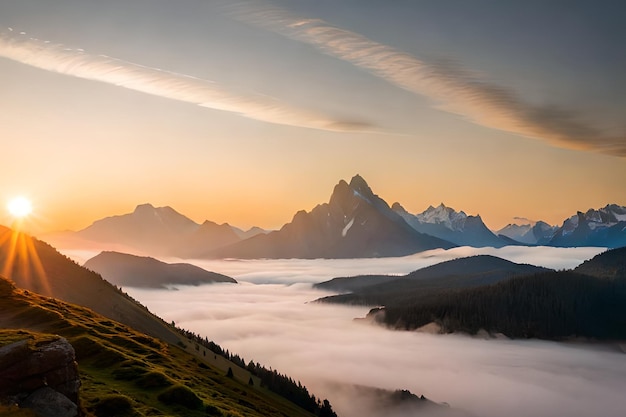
587 302
553 305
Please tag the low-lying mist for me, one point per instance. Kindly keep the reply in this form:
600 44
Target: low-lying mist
289 271
268 318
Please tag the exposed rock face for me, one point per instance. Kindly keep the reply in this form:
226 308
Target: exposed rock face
47 402
42 375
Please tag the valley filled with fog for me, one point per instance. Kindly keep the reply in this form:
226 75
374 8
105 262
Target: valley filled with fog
268 318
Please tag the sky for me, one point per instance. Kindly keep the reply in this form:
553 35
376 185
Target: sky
268 318
248 111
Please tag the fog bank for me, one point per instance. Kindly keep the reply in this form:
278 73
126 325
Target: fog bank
322 346
313 271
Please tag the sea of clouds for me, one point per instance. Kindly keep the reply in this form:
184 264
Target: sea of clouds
268 318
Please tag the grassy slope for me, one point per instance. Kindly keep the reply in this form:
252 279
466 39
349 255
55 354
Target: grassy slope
36 266
126 373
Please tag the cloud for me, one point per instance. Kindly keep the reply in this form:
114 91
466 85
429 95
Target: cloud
453 88
75 62
295 271
322 346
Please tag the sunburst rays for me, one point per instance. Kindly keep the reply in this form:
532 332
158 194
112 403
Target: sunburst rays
20 261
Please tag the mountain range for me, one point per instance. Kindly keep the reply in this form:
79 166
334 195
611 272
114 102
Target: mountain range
602 227
528 232
446 223
354 223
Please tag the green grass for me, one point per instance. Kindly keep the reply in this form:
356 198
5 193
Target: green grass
126 373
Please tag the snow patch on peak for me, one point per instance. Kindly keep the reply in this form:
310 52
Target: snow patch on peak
361 196
447 216
347 227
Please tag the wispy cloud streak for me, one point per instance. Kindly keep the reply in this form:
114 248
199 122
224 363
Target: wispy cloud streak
75 62
453 89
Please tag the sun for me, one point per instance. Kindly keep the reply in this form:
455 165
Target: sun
19 207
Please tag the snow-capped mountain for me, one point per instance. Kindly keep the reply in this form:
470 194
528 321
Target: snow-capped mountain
528 231
455 226
596 227
354 223
445 216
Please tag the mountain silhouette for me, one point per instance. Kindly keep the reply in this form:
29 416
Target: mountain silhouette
602 227
355 223
531 233
157 231
154 229
141 271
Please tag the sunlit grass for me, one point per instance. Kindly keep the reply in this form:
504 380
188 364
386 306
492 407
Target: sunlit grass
126 373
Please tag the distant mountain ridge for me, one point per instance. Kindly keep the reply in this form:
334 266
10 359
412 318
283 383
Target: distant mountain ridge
532 233
158 231
355 223
602 227
457 227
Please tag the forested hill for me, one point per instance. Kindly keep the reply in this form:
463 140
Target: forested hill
587 302
553 305
467 272
610 264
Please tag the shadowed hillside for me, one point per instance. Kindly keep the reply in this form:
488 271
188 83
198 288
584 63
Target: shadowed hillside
468 272
537 304
552 305
36 266
610 264
141 271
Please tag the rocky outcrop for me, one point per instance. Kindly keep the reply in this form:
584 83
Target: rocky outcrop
42 375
